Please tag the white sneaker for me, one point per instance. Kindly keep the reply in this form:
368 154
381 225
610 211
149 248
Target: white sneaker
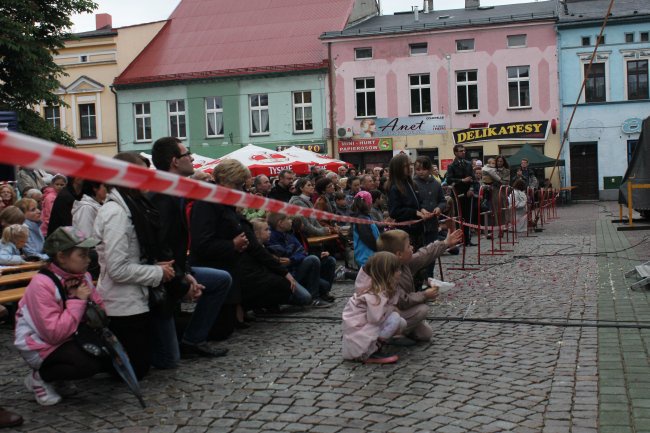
43 392
340 273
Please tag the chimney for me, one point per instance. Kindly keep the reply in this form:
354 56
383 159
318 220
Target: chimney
416 13
428 6
472 4
103 21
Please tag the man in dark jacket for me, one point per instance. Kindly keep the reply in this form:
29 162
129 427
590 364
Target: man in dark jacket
210 286
282 189
460 176
431 195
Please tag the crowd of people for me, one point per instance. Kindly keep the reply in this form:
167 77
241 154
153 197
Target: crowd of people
139 255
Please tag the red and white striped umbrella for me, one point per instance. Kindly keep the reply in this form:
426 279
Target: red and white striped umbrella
313 158
260 160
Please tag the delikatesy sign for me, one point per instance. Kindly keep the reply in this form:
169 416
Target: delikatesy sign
414 125
537 130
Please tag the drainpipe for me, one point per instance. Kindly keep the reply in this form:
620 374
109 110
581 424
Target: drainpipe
330 80
561 111
117 123
451 121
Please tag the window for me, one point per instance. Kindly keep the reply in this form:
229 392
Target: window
601 40
631 146
142 121
420 86
518 86
418 49
586 41
645 36
87 121
637 79
83 59
53 115
465 45
595 83
213 117
516 41
467 90
302 112
364 89
259 107
629 37
362 53
176 110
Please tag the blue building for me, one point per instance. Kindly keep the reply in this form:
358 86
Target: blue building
608 115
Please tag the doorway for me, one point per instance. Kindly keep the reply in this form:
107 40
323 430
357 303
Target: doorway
584 171
432 154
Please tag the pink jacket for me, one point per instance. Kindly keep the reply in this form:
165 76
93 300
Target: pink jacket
49 195
362 318
42 322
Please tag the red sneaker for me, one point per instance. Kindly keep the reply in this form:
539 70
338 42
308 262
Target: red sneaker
378 358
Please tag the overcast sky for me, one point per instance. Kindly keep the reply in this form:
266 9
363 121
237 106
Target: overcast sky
128 12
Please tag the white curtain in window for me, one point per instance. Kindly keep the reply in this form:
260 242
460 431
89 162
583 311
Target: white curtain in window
265 120
215 124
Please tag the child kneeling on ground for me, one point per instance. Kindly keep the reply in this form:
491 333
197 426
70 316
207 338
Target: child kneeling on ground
45 323
411 304
370 317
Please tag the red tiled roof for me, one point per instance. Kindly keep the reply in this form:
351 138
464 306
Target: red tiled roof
208 38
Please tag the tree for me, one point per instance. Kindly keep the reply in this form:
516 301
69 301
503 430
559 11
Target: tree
31 31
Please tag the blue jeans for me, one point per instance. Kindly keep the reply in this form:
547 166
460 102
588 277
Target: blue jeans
165 350
300 296
308 275
217 286
317 275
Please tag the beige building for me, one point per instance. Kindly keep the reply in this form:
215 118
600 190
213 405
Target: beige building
92 60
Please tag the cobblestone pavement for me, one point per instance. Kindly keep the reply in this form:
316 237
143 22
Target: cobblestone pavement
286 372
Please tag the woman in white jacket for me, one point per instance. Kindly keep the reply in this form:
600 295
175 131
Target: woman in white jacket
84 211
124 278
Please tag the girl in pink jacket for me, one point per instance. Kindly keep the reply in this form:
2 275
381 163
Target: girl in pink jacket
45 323
370 316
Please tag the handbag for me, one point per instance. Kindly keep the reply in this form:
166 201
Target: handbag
158 298
89 332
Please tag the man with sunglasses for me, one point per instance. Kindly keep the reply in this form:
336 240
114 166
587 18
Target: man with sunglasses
208 286
460 176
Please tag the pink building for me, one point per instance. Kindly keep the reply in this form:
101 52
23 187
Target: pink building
421 79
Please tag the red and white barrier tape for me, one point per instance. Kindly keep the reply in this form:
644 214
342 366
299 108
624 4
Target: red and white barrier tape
26 151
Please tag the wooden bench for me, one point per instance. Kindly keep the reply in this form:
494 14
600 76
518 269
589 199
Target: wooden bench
643 271
12 295
32 266
315 240
19 278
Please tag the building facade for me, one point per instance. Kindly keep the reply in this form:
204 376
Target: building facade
92 60
607 120
218 116
261 78
485 77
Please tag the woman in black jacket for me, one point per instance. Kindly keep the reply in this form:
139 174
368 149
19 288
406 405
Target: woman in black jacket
222 238
403 202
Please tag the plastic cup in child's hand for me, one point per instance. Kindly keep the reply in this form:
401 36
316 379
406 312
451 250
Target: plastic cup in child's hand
442 286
